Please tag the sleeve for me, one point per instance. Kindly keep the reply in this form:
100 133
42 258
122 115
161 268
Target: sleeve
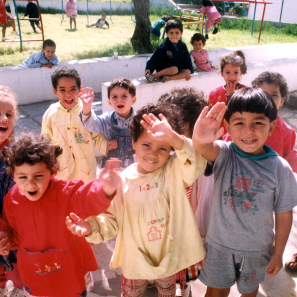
187 59
66 7
32 61
27 10
54 60
154 60
46 127
100 142
106 22
202 9
187 163
290 154
193 61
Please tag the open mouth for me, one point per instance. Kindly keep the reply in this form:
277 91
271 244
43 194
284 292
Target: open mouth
150 162
32 193
68 101
248 141
3 129
120 106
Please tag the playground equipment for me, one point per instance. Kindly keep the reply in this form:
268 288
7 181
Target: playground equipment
27 19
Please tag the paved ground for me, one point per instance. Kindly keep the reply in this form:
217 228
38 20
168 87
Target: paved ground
108 282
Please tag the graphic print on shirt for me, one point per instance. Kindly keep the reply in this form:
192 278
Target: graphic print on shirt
154 234
48 270
81 136
242 193
169 54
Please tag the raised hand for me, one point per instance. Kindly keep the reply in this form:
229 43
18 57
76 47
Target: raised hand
112 144
87 97
78 226
5 243
110 176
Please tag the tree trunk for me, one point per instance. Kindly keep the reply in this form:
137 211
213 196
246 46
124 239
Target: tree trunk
141 39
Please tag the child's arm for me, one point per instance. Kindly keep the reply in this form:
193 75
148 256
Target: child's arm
207 130
283 223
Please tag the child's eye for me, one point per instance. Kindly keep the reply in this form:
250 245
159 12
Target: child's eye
9 115
146 145
163 149
38 176
22 177
258 123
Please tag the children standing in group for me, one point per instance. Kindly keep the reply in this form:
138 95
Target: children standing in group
71 12
52 262
32 11
156 27
100 22
151 209
213 17
45 58
114 125
199 54
62 124
241 246
171 60
5 17
9 273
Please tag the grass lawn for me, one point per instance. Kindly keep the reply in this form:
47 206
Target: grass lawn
93 42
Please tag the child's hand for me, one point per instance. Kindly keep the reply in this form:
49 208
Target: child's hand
230 87
275 265
87 97
5 243
78 226
188 78
112 145
48 65
147 71
110 176
207 128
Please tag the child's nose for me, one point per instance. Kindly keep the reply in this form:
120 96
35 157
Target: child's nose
3 118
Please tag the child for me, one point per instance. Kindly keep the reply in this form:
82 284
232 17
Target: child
101 22
8 115
199 54
52 261
61 123
156 232
45 58
71 12
32 11
213 17
156 27
171 60
251 182
114 125
4 18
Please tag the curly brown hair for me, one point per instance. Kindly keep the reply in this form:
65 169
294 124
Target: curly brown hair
31 149
65 71
236 58
172 114
189 100
272 78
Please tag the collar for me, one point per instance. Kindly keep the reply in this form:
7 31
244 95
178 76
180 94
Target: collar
269 153
116 116
77 107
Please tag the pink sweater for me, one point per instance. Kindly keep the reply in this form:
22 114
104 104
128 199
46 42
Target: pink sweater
70 8
212 15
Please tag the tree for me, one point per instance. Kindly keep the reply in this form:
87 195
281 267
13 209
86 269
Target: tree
141 39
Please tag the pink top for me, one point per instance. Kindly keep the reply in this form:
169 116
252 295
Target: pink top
212 15
70 8
201 60
3 13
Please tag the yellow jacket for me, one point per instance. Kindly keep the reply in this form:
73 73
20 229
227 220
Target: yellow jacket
64 127
157 235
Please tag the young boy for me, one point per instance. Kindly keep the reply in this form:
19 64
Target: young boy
114 125
251 182
156 232
157 26
100 23
45 58
62 124
171 60
32 11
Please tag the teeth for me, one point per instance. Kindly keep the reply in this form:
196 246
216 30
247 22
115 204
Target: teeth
248 140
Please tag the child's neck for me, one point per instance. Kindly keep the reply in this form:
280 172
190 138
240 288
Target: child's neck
198 51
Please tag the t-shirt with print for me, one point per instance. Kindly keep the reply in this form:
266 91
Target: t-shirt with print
247 190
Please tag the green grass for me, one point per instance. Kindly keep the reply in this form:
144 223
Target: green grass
94 43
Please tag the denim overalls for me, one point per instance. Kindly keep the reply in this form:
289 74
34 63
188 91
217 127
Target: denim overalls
124 150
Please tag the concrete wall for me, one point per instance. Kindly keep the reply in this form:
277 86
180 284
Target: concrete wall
34 85
272 13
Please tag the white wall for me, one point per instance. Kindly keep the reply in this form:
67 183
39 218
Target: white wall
34 85
272 12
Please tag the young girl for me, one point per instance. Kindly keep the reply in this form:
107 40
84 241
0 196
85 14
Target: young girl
4 18
71 12
151 215
199 54
213 16
52 262
8 115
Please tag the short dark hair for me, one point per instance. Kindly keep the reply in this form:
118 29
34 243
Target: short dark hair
31 149
48 42
198 37
65 72
174 118
251 100
103 14
236 58
189 100
165 18
207 3
124 83
272 78
174 24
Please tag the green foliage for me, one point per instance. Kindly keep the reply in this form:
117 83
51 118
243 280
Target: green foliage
238 10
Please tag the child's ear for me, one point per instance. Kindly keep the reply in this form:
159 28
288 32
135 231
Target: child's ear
55 92
80 88
282 102
133 100
226 124
181 34
271 127
133 144
109 102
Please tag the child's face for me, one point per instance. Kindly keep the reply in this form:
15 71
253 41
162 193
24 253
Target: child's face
32 180
174 35
49 52
67 91
121 101
150 155
274 91
231 73
6 119
249 131
198 46
103 16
